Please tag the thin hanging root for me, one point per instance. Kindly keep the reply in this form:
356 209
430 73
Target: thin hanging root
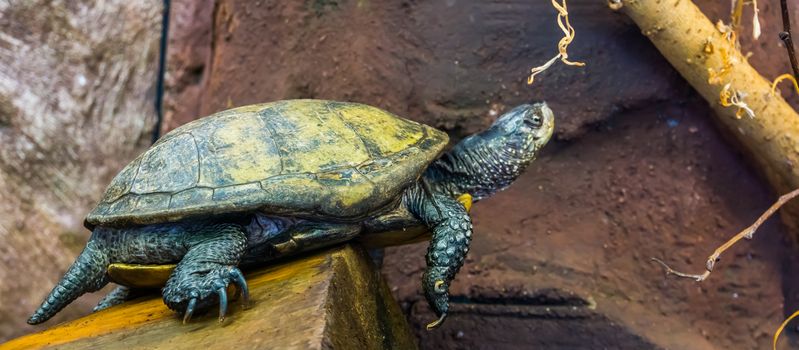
782 326
746 233
563 44
755 21
781 78
736 13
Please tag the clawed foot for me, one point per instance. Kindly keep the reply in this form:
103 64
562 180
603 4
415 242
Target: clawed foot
117 296
201 289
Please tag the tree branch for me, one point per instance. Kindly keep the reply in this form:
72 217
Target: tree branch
746 233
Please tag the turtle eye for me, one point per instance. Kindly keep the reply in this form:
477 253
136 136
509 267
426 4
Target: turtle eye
536 121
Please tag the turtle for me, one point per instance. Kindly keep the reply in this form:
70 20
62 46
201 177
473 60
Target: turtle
255 183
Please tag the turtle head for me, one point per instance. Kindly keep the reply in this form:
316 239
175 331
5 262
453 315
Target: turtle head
489 161
522 131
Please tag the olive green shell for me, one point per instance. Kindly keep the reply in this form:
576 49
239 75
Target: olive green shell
304 158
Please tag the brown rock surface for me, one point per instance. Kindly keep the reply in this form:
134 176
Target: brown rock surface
447 63
657 182
651 177
637 170
76 84
189 54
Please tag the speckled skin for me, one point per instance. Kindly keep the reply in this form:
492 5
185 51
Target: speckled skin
209 251
488 162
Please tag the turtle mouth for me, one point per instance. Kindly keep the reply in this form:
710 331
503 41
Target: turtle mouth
548 125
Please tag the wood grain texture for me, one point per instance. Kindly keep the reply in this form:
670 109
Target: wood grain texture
334 299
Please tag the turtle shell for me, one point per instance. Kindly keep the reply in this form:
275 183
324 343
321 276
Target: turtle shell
305 158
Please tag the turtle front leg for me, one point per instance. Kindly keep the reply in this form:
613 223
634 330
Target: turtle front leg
451 226
201 278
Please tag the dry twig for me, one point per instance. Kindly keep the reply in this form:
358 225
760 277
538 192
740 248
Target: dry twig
678 29
746 233
785 36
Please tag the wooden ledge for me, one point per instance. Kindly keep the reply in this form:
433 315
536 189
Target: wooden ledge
334 299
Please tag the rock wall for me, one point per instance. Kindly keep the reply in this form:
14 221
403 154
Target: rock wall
637 169
76 92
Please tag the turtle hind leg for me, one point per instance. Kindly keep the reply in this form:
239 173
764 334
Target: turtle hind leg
201 278
119 295
87 274
148 244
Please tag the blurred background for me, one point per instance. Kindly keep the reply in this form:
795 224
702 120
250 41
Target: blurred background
560 260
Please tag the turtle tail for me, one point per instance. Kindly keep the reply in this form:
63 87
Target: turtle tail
87 274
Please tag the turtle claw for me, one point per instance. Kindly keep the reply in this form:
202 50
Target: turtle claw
203 289
189 310
241 284
436 323
222 303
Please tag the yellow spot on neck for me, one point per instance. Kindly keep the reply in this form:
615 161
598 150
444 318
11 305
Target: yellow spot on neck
466 200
